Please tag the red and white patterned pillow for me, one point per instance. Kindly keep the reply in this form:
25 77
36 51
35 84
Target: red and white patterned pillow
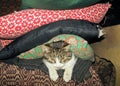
15 24
5 42
21 22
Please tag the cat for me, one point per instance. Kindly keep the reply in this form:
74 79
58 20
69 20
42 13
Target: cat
57 56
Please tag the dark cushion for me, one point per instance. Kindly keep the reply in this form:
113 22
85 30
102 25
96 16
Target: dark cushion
87 30
59 4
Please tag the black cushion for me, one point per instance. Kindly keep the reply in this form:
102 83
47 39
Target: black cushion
87 30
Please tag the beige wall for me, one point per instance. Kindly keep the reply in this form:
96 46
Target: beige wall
110 48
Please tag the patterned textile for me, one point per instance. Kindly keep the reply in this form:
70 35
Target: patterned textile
80 71
106 71
13 75
18 23
78 46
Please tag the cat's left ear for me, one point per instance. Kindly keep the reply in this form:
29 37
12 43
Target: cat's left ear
66 46
46 48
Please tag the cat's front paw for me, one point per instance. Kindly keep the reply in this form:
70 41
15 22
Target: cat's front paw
67 75
67 78
53 75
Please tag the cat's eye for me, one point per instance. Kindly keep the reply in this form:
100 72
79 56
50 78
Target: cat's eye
65 59
51 60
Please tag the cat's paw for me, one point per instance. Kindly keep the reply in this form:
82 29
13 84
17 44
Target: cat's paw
67 78
67 75
53 75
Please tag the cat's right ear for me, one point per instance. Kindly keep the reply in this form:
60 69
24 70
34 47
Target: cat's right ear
46 48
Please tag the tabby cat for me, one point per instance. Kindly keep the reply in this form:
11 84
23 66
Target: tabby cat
57 56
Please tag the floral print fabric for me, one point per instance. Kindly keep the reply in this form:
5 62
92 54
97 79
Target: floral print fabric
78 46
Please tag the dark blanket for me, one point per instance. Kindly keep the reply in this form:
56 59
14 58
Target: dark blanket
80 71
87 30
18 72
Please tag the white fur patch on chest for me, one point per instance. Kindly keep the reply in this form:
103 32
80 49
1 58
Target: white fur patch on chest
68 67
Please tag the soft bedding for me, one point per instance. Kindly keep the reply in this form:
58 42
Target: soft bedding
78 46
18 23
87 30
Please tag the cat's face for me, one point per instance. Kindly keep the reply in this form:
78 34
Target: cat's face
57 56
57 52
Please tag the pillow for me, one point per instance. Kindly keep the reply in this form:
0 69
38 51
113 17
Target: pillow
85 29
59 4
78 46
21 22
3 42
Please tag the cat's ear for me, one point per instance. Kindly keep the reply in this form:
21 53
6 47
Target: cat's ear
46 48
66 48
64 44
58 44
